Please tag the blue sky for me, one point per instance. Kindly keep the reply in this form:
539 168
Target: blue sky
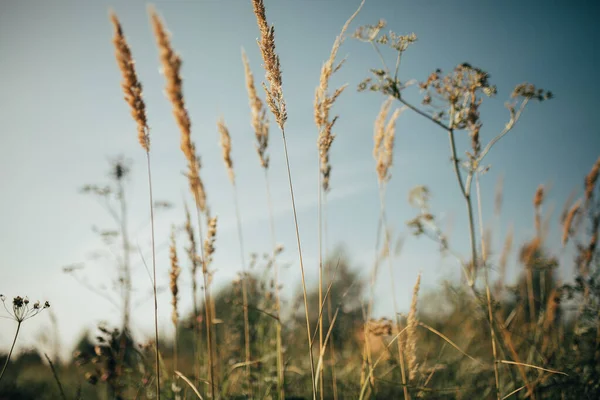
62 116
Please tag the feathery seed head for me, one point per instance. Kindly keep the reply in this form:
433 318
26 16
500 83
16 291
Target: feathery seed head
171 66
272 66
132 88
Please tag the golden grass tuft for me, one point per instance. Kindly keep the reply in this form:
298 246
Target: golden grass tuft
130 84
171 66
271 65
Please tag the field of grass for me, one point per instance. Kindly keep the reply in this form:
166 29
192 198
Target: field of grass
535 338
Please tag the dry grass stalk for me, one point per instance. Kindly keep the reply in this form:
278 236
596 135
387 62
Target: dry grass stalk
171 65
226 146
133 96
132 88
410 344
568 222
271 65
276 103
260 122
590 180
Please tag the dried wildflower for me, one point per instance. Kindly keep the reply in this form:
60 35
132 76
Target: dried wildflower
174 276
260 122
130 84
171 63
21 309
590 180
529 91
401 42
226 146
271 65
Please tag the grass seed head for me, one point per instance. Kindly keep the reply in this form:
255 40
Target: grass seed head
226 147
132 88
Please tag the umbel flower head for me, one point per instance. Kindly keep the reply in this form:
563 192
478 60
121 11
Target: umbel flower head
22 309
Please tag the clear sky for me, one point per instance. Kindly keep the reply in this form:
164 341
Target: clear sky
62 115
